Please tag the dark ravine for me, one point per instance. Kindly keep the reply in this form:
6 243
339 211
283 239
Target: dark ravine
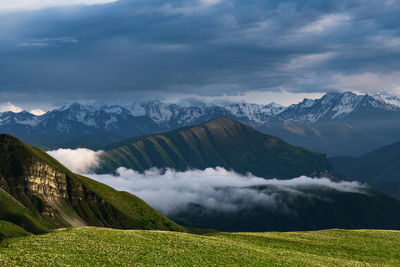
38 194
220 142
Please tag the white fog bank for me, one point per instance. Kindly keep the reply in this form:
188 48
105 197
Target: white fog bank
80 160
214 188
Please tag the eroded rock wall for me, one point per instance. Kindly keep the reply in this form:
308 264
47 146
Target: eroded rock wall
46 181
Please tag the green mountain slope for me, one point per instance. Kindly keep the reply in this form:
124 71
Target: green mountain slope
109 247
380 168
220 142
38 194
10 230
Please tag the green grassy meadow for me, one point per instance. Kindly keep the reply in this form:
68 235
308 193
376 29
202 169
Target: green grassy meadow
99 246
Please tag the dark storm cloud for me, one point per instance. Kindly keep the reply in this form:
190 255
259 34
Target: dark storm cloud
209 47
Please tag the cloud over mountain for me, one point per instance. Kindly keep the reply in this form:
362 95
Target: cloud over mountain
80 160
8 106
215 188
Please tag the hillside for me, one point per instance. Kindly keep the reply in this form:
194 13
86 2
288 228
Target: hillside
38 194
108 247
221 142
380 168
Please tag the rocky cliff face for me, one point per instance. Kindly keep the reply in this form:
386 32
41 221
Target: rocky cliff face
52 187
46 181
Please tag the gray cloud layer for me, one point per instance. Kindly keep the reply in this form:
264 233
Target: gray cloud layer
146 48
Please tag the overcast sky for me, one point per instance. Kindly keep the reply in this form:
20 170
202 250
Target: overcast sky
52 51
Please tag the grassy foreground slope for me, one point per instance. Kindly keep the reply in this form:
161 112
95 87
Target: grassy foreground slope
99 246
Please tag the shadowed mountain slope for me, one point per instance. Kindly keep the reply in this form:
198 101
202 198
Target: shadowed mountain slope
307 209
380 168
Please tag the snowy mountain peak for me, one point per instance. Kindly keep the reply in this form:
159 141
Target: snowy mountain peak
307 103
274 105
137 109
392 99
158 111
348 101
76 106
158 115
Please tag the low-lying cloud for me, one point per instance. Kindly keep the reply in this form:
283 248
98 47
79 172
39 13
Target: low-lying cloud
37 111
171 191
80 160
218 189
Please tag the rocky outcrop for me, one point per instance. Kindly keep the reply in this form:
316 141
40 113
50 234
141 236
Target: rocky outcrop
44 180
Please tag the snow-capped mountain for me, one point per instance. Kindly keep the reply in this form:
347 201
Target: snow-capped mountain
391 99
102 124
332 106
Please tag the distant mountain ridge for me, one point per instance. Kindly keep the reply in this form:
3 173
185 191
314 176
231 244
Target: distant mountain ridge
322 124
380 168
221 142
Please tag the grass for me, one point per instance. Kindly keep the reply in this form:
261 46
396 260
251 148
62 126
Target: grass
100 246
10 230
14 212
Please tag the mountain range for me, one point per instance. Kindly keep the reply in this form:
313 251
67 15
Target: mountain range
379 168
39 194
338 124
